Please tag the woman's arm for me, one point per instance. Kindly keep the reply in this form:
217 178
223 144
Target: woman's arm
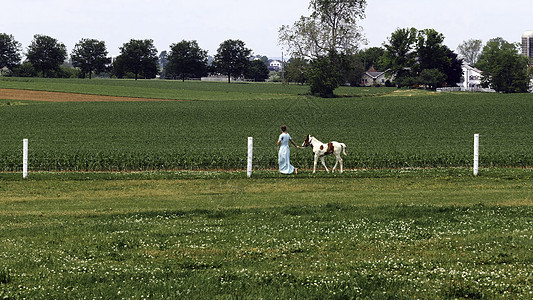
294 144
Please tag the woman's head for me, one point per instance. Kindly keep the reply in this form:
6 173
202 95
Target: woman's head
284 128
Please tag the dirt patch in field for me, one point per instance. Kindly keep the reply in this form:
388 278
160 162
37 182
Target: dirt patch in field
10 94
410 93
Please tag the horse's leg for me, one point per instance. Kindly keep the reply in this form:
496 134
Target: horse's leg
337 157
314 164
340 161
324 163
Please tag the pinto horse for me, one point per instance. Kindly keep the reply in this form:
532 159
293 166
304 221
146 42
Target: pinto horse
320 150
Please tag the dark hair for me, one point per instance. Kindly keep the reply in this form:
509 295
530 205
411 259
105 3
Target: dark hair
283 128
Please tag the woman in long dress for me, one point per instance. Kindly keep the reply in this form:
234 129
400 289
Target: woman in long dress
284 153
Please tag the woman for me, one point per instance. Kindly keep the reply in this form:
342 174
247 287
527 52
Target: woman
284 153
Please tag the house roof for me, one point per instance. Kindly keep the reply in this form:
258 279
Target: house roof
373 73
469 67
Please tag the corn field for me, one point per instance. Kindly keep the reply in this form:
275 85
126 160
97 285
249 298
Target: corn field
393 130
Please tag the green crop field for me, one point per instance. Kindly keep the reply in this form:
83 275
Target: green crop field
407 220
383 128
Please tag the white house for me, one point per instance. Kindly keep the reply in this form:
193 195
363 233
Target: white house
275 65
471 77
470 81
373 77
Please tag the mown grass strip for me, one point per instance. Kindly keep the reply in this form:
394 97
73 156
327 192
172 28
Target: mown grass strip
437 173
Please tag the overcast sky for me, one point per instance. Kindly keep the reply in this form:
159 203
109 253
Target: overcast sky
255 22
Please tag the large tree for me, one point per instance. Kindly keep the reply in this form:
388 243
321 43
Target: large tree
453 71
504 69
257 71
324 75
138 57
340 17
432 54
371 58
470 50
232 58
331 30
90 55
304 39
332 27
46 54
420 57
186 60
400 53
296 70
9 51
351 69
430 51
431 78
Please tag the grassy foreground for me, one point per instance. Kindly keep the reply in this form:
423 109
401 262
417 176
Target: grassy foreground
402 234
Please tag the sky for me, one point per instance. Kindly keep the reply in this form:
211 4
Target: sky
256 22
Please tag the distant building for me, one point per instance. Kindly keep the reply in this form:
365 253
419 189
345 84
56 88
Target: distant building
471 77
470 82
163 60
374 78
527 44
4 71
275 65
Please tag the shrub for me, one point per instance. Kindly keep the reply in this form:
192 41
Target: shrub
26 69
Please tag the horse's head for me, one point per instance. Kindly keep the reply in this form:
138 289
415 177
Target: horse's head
307 141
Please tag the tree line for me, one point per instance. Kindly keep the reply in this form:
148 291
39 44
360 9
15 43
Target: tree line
325 51
324 48
137 59
411 58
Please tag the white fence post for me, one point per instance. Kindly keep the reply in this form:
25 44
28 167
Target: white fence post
25 158
250 156
476 154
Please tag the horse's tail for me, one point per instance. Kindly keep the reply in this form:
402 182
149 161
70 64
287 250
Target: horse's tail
343 148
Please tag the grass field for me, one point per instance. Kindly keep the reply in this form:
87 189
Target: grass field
406 221
177 90
383 128
393 234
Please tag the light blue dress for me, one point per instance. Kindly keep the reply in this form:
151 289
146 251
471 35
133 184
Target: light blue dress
284 154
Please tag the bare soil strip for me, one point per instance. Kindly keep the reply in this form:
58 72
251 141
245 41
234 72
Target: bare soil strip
12 94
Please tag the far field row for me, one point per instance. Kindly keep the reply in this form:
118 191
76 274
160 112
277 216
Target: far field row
382 128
